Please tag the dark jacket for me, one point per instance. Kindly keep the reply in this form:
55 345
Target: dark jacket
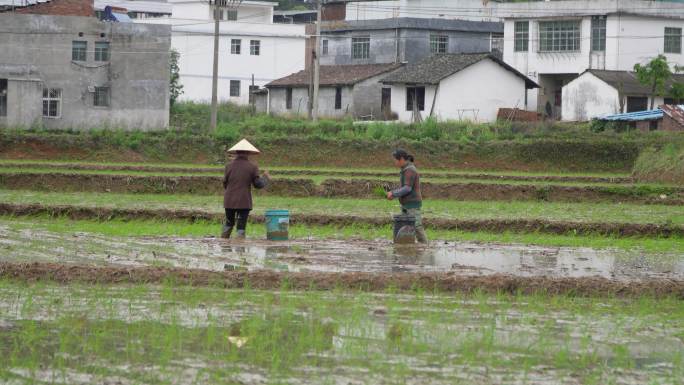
238 180
409 193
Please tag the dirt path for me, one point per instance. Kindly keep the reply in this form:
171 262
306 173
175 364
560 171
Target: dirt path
340 188
376 282
331 173
488 225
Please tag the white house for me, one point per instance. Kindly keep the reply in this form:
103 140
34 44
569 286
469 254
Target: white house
597 93
457 87
252 49
475 10
554 42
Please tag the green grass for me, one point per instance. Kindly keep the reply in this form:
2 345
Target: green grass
579 212
173 334
156 228
8 163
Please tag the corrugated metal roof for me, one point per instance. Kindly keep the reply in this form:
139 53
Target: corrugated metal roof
634 116
675 112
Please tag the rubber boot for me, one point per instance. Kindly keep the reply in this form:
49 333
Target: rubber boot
240 234
225 233
421 237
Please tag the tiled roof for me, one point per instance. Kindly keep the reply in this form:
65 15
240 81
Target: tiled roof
335 75
434 69
627 81
675 112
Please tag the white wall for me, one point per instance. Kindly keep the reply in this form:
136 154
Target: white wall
474 94
588 97
447 9
630 40
282 49
249 11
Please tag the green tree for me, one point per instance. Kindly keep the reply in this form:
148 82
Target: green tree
175 88
677 93
655 75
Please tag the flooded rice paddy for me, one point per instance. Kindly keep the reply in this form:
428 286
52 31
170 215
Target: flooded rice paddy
171 335
316 255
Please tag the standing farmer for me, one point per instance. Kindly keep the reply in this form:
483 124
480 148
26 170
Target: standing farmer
240 176
409 194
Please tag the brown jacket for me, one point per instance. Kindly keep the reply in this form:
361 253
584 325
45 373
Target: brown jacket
238 180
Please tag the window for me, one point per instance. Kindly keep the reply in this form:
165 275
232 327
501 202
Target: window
325 47
360 47
669 101
3 97
338 98
559 36
598 34
78 50
101 97
439 43
522 36
52 102
415 93
102 51
234 88
235 46
288 98
673 40
255 47
637 103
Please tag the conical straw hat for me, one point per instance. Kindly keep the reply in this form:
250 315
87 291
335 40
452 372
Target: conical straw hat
244 146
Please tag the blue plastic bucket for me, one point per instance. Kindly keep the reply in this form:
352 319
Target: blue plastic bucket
277 225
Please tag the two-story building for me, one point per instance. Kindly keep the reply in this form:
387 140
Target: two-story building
553 42
78 72
405 40
253 50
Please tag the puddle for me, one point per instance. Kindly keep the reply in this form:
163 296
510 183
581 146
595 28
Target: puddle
468 259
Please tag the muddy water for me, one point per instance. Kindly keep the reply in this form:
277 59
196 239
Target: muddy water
380 339
335 256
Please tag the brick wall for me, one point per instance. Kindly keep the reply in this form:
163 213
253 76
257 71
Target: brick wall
61 8
334 12
670 124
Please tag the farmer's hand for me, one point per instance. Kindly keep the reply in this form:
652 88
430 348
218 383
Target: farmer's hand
390 196
267 175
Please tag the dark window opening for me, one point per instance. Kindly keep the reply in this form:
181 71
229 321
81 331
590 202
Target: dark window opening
78 50
255 47
3 97
338 98
653 125
386 102
325 47
417 94
673 40
361 47
235 46
288 98
637 103
234 88
52 102
101 97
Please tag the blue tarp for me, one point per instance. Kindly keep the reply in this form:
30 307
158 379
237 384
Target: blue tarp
656 114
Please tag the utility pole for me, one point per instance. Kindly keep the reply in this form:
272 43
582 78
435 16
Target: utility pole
317 62
214 78
218 6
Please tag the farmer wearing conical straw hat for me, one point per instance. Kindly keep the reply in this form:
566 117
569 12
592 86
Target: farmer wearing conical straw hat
240 176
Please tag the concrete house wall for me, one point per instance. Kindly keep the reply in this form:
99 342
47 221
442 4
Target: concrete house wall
475 93
300 102
404 45
282 49
588 97
635 33
39 55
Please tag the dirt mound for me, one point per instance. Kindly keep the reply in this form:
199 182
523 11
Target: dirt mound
488 225
335 173
375 282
